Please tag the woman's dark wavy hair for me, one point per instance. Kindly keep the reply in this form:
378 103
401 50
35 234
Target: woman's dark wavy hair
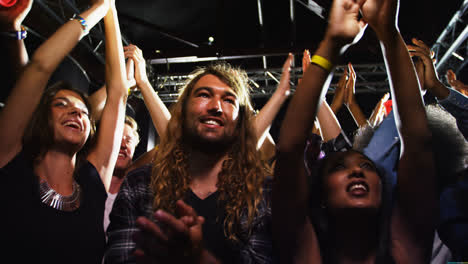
39 135
320 218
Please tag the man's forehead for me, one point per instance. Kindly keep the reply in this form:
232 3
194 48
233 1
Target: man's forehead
213 83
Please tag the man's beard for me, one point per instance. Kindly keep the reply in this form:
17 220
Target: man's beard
193 140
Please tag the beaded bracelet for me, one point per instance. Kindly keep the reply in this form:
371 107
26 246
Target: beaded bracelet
322 62
16 34
82 22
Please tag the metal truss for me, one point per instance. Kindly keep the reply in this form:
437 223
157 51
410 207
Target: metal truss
451 47
370 78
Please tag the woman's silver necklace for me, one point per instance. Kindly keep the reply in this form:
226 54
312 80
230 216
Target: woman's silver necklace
60 202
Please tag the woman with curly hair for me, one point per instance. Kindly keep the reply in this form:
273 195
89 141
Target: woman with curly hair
207 159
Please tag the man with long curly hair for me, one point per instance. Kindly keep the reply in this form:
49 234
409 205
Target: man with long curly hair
205 199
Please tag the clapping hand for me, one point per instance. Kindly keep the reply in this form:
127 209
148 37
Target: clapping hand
180 241
344 26
456 84
136 55
426 72
338 98
284 85
379 112
349 97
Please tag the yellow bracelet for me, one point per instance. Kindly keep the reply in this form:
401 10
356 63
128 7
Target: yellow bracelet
322 62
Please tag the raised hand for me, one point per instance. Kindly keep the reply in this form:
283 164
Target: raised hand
379 112
429 78
456 84
421 50
284 86
12 17
350 99
381 16
305 60
344 25
136 55
350 86
338 98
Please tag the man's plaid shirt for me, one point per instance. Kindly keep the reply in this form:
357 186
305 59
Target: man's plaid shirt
135 199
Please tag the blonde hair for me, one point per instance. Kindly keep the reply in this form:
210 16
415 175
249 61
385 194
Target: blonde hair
243 173
134 125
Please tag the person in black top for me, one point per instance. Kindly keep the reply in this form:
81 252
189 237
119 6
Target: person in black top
54 186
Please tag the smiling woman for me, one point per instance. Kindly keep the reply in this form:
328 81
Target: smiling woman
38 138
350 180
54 185
352 193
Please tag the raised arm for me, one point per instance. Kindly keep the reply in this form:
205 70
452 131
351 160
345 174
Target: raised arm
14 53
156 107
98 101
267 114
429 79
28 89
454 101
412 231
326 125
330 128
98 98
104 155
292 230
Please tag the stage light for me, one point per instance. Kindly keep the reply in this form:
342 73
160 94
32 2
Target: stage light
210 40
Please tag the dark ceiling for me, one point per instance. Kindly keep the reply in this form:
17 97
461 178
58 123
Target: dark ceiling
179 28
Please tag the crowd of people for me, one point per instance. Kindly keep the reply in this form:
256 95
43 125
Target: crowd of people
217 188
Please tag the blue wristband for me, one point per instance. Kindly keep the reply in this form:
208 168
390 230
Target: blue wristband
82 22
16 34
